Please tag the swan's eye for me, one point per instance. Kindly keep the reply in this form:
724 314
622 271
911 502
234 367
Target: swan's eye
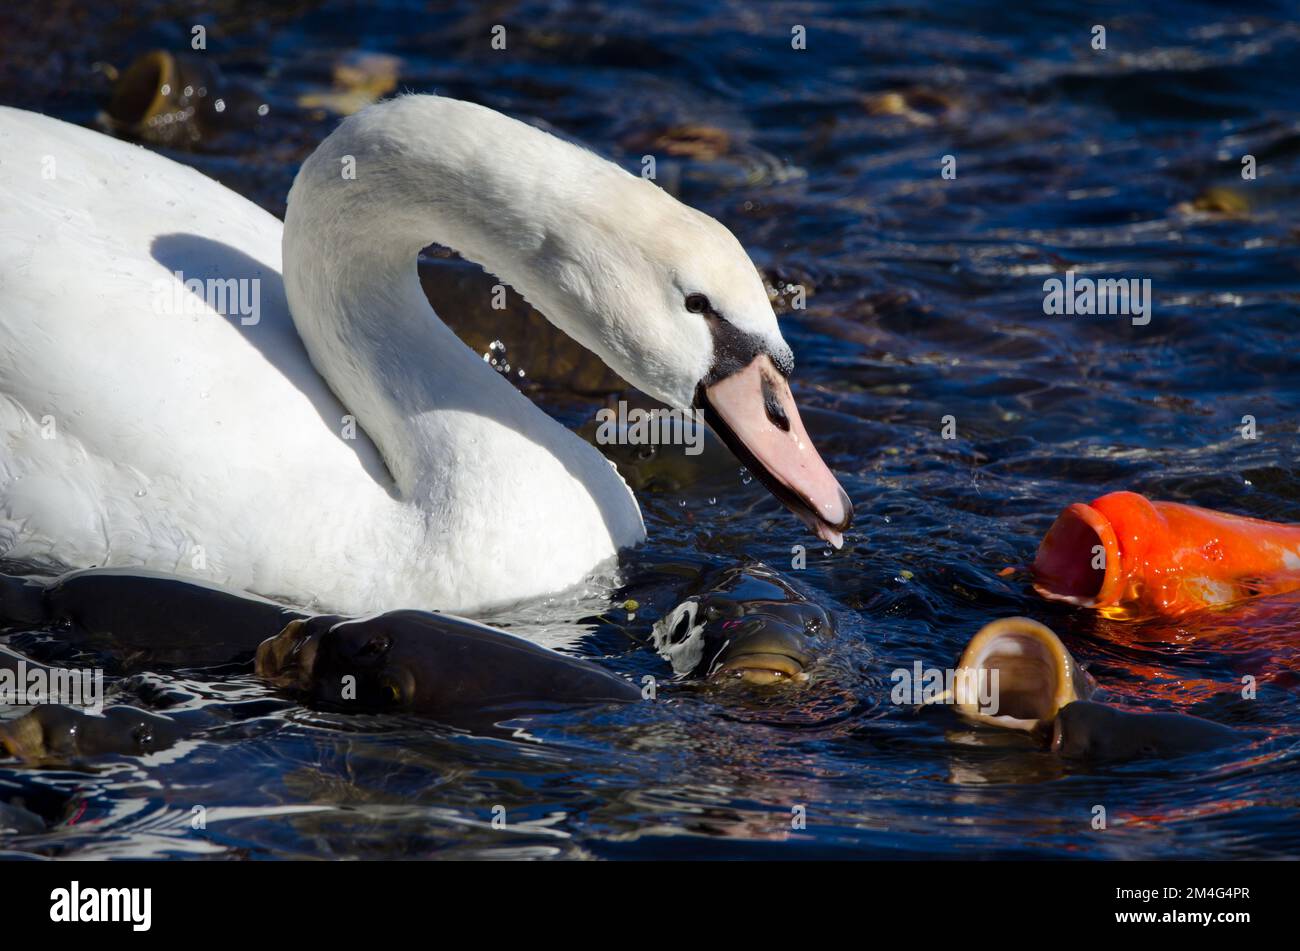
697 304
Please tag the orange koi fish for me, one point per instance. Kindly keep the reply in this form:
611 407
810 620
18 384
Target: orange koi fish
1131 557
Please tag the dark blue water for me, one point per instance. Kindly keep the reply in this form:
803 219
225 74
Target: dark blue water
925 301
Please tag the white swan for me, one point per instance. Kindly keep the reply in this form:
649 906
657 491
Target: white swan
383 465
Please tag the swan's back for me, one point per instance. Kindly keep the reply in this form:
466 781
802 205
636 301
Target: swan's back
119 390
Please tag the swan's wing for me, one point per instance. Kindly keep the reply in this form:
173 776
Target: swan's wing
125 396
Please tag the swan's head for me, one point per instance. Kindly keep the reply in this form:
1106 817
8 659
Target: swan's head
665 295
670 300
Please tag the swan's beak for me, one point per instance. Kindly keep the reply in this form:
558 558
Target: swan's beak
753 411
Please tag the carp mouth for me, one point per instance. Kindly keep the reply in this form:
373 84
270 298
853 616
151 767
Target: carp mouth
1035 675
1066 566
761 668
763 650
287 659
24 738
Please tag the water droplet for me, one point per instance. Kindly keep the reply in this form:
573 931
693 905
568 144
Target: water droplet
263 109
219 105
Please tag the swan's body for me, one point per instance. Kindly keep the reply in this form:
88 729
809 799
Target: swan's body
200 444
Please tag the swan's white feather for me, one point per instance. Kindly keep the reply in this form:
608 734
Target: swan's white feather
192 443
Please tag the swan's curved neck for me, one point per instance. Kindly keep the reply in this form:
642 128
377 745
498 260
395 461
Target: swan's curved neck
387 183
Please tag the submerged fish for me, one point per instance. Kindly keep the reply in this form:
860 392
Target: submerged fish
1129 556
1095 731
52 733
154 618
413 661
432 664
1041 689
743 622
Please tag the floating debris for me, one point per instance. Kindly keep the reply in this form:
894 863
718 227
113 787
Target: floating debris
360 78
918 106
1217 201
